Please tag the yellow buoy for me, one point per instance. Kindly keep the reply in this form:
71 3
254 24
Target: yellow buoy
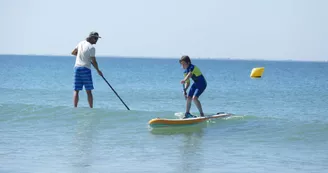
257 72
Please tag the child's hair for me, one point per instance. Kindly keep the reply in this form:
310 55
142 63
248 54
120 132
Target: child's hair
186 59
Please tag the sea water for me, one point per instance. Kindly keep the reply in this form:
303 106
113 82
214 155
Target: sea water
280 122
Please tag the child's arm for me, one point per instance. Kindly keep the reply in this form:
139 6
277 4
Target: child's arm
187 84
186 80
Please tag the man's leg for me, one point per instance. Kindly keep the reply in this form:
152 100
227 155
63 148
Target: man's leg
77 86
76 97
88 85
90 98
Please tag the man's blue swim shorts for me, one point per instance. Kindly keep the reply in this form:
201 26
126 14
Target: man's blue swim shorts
82 77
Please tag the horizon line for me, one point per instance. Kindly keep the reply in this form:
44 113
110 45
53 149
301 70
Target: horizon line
158 57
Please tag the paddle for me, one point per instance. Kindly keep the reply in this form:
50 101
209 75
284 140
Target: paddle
114 91
184 91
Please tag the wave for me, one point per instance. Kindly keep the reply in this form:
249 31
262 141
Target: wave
22 112
32 112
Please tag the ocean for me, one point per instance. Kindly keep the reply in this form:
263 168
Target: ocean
280 121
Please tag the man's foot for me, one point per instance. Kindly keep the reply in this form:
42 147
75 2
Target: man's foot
202 115
188 115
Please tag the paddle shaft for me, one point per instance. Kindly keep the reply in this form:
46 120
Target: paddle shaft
115 93
113 90
184 90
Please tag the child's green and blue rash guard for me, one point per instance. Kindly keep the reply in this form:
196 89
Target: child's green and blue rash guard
197 75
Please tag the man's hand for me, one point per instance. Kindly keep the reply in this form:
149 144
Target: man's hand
100 73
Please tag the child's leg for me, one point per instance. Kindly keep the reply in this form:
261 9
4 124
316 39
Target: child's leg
199 91
189 98
198 105
188 105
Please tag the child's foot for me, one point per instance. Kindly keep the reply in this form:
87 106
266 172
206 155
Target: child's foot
202 115
188 115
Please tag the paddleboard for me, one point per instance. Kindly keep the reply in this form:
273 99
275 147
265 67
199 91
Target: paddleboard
165 122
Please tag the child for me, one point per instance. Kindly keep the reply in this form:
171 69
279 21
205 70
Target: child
197 88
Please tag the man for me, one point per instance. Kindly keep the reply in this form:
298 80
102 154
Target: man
85 55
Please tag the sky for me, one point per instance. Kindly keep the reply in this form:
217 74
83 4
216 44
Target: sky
236 29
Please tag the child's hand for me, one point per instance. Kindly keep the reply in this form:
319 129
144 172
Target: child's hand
185 94
183 81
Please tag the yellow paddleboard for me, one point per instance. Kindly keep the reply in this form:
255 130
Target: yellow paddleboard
164 122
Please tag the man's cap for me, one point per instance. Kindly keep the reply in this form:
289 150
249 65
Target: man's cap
94 34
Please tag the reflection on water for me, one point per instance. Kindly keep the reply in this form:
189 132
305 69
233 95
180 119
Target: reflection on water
83 143
191 151
178 129
192 157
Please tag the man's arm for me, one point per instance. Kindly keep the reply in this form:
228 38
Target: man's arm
74 52
95 65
